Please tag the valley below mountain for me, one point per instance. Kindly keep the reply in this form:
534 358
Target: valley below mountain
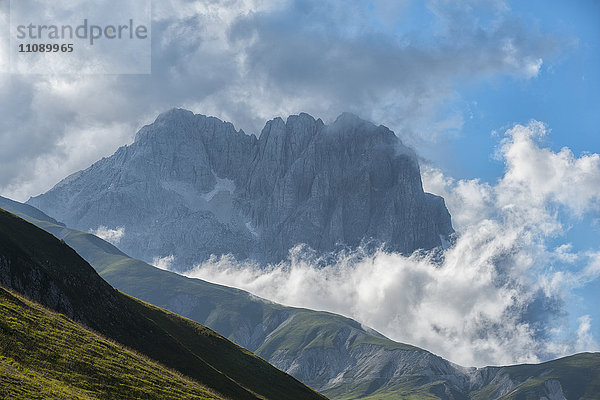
333 354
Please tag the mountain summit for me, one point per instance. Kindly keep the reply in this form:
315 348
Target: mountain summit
192 186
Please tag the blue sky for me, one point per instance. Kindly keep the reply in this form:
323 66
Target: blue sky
565 95
451 78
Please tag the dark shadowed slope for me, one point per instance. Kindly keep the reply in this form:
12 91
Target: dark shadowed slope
46 270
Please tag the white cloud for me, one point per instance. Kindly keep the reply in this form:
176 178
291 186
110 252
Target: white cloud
469 201
496 296
248 60
565 254
536 176
455 310
163 262
585 339
113 236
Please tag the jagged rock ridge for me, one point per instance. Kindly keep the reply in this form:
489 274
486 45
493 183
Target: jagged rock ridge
193 186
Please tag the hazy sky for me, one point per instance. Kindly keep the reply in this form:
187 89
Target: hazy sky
451 78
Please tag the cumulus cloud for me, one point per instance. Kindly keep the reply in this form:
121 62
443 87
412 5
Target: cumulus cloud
497 295
113 236
537 184
248 60
541 176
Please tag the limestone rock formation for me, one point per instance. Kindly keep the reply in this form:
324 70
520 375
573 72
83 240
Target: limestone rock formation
193 186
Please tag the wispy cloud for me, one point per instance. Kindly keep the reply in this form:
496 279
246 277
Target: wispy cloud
113 236
585 339
163 262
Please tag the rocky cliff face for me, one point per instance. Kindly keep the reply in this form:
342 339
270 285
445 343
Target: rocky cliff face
192 186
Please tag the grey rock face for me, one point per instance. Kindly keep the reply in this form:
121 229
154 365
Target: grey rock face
192 186
553 390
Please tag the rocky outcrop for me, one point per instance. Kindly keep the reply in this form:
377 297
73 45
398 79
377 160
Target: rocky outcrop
553 390
22 276
192 186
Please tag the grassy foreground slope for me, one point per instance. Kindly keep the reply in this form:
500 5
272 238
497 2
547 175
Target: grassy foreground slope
45 355
45 269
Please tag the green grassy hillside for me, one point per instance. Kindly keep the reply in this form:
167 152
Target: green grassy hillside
46 270
47 356
578 375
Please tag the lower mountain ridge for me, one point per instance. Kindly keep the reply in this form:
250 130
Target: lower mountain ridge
333 354
46 270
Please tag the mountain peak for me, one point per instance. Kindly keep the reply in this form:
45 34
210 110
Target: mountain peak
348 117
301 118
181 123
174 113
205 188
